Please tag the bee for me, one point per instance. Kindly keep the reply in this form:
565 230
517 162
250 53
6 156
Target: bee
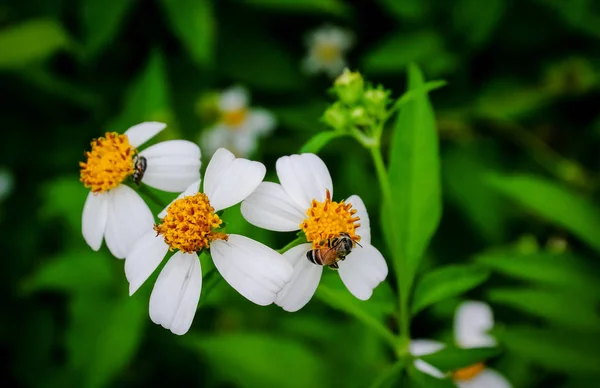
337 249
140 164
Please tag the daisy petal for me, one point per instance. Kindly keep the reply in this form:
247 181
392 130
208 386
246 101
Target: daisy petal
176 293
422 347
304 281
254 270
428 369
487 378
141 133
229 180
363 269
190 190
214 138
128 219
261 121
93 219
145 256
269 207
471 323
233 99
304 178
364 230
172 165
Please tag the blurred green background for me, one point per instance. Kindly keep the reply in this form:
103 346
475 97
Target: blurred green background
519 128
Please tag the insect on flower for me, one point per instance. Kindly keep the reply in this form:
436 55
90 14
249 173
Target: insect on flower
336 249
139 165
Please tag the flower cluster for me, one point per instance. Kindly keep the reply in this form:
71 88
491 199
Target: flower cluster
335 234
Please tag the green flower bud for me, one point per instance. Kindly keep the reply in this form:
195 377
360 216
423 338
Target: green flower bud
336 116
375 101
349 87
360 116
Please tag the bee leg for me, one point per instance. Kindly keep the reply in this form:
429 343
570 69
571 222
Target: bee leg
334 266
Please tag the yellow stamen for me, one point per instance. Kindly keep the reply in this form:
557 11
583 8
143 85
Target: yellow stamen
329 219
469 372
327 52
108 163
234 118
189 224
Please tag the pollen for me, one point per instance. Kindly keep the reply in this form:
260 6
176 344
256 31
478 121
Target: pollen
190 224
234 118
108 163
469 372
328 219
327 52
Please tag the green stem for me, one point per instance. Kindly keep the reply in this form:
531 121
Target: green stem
151 196
210 281
390 376
299 240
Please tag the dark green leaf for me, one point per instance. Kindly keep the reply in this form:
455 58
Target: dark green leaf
101 21
193 23
554 202
451 358
318 141
409 10
477 19
446 282
422 380
414 177
334 7
260 360
409 95
64 198
30 42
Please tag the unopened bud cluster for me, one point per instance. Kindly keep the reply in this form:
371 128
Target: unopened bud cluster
358 104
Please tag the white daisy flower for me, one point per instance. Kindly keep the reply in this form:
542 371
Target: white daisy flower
472 322
327 47
239 127
190 224
113 210
6 183
303 201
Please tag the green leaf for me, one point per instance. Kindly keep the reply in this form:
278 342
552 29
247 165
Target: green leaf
332 292
407 10
558 307
333 7
409 95
193 23
260 360
476 20
318 141
414 178
452 358
390 377
446 282
422 380
564 351
554 202
101 21
30 42
64 198
399 50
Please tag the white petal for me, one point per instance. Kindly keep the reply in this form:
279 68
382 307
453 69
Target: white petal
363 269
261 121
172 165
305 279
364 230
304 177
214 138
335 68
487 378
472 321
244 142
269 207
311 65
251 268
229 180
176 293
428 369
145 256
141 133
190 190
93 219
234 98
422 347
128 219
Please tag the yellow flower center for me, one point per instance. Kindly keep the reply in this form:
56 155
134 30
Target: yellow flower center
235 118
327 52
329 219
468 372
108 163
190 224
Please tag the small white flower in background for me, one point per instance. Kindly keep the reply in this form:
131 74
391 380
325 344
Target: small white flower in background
327 47
472 322
239 126
303 201
6 183
190 224
113 210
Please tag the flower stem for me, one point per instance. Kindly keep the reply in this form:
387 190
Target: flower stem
299 240
151 196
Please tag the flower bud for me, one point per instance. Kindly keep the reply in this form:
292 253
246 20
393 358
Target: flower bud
349 87
336 117
359 116
375 101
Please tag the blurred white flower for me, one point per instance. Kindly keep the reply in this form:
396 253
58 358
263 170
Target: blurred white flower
6 183
327 47
191 224
239 126
113 210
303 201
472 322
